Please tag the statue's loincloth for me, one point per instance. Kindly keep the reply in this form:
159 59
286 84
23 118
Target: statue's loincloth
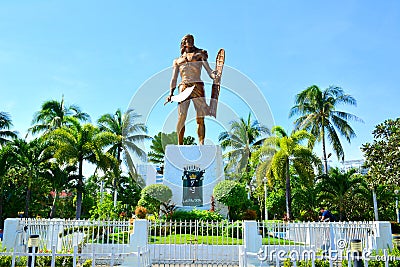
198 98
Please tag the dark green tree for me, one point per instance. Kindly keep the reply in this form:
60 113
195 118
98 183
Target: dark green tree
305 203
233 195
5 124
104 209
54 114
160 141
5 156
59 176
281 151
338 190
78 143
129 133
382 157
241 140
31 160
318 115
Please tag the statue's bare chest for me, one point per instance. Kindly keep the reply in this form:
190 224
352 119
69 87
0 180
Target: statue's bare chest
189 58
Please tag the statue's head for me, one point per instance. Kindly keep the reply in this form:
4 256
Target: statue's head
187 41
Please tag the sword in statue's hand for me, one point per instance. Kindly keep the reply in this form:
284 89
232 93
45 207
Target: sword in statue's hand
182 96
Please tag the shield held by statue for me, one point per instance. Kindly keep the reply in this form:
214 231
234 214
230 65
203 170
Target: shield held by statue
219 65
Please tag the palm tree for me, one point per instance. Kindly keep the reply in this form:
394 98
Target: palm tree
5 125
318 114
128 133
243 138
78 143
5 156
281 151
59 176
160 141
54 114
339 188
31 159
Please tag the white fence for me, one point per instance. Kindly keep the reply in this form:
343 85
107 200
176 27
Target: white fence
195 242
329 242
144 243
102 242
317 235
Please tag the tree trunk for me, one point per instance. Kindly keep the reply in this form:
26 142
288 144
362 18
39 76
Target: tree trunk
341 210
53 207
375 204
115 178
28 196
1 205
324 151
79 191
288 193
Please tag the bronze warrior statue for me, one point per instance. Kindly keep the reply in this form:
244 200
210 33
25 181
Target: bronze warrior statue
189 66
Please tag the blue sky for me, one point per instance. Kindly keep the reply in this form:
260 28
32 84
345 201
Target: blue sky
98 54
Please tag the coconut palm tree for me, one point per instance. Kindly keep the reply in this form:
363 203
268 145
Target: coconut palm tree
281 151
5 161
59 176
318 115
54 114
242 139
160 141
31 159
128 133
5 125
339 188
78 143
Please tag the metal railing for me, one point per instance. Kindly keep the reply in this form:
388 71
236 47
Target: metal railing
104 242
73 258
317 235
195 242
184 242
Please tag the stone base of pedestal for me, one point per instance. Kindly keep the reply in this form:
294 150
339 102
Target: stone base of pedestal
192 172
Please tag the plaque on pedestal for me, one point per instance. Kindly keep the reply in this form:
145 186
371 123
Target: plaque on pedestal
192 173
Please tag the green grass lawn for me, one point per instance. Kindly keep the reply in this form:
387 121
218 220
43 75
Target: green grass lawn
123 238
277 241
211 240
192 239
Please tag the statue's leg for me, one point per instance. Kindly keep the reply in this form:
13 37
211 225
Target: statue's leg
201 129
201 107
182 114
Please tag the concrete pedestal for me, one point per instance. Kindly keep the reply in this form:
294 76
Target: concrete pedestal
192 173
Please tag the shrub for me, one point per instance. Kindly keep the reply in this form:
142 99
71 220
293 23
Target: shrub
140 212
233 195
87 263
153 196
249 215
395 227
195 214
159 192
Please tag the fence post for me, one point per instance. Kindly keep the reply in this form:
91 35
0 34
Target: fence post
53 256
74 257
383 237
11 226
137 240
252 241
242 256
